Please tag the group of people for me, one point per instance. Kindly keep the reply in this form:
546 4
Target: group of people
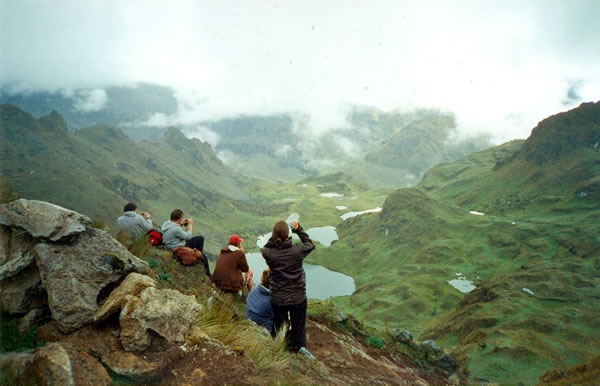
279 299
173 233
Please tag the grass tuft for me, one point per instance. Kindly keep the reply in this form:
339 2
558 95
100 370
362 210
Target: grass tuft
220 322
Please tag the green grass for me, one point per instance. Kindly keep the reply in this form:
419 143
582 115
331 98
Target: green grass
12 340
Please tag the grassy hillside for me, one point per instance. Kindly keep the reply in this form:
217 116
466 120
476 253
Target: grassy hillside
532 257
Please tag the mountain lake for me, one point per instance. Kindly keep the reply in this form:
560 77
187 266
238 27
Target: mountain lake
321 283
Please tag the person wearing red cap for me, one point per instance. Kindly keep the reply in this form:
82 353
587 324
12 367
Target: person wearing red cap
232 272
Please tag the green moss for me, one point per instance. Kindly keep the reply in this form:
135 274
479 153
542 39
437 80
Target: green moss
12 340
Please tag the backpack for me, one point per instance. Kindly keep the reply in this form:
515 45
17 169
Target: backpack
155 237
188 256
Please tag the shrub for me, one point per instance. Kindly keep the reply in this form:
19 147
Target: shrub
151 262
166 276
374 342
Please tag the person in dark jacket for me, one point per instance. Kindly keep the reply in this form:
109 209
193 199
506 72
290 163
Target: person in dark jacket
288 281
232 272
258 303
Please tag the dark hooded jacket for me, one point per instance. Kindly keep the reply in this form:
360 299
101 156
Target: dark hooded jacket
287 282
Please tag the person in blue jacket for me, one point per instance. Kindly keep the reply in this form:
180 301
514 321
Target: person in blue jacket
258 303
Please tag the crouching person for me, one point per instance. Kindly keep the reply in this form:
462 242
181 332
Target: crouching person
258 303
232 272
174 238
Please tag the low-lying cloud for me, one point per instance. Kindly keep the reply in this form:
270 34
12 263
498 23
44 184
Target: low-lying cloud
500 67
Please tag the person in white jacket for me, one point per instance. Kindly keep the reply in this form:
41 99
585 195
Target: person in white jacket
133 223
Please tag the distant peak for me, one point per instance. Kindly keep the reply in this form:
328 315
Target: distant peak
54 120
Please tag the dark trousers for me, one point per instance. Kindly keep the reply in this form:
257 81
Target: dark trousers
197 242
296 336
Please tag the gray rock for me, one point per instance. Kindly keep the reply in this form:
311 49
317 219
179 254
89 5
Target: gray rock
74 275
23 292
402 336
31 319
19 255
338 316
133 284
167 313
446 363
42 219
429 347
5 234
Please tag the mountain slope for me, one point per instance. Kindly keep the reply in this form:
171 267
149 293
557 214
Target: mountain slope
98 169
532 258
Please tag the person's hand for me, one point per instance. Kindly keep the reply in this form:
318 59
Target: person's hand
189 221
146 215
295 225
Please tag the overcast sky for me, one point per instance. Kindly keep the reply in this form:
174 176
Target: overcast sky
500 66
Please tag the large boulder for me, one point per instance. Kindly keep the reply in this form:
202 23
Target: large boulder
42 219
167 313
133 284
75 275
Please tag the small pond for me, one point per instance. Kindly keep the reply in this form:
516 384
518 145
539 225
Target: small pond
321 283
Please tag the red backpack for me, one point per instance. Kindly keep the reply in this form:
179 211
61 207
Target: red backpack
155 237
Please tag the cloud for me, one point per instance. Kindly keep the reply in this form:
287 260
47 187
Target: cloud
90 100
204 134
499 66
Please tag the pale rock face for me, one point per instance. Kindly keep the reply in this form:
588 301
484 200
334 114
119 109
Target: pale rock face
168 313
52 365
42 219
73 275
19 255
133 284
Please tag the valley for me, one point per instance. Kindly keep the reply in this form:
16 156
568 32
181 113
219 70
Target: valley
494 256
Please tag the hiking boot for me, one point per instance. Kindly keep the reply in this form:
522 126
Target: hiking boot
306 353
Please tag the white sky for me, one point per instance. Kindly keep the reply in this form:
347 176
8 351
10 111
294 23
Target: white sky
500 66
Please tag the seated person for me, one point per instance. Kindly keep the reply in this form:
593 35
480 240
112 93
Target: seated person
232 272
133 223
174 236
258 303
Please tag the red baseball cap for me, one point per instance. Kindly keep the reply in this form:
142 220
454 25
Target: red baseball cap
235 239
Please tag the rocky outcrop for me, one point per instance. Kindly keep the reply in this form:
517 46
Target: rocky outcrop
74 275
166 313
133 284
42 219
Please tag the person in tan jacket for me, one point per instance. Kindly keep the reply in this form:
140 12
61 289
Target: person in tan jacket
232 272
